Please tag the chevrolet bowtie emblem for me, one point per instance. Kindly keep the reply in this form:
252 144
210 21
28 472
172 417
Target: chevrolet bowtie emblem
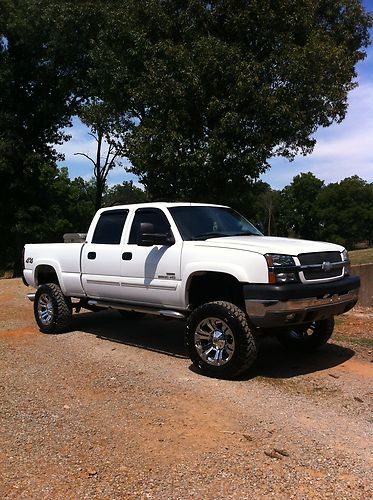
326 266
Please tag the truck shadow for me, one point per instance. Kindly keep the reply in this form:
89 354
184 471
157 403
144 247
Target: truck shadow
166 336
274 361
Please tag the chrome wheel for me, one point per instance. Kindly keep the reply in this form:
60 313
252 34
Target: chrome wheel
52 309
302 333
214 341
307 337
45 309
219 340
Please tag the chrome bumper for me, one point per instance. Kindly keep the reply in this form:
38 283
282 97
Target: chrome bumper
294 311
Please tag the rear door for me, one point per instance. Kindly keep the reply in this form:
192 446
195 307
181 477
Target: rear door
102 258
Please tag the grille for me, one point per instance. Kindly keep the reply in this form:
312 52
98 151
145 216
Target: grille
311 259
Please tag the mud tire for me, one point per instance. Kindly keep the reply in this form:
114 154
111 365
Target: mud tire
307 338
240 340
52 309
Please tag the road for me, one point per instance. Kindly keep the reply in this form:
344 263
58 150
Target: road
114 409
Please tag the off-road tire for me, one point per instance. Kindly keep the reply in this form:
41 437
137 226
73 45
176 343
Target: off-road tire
305 338
244 350
52 309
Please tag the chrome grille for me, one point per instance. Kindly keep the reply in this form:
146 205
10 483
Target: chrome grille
315 260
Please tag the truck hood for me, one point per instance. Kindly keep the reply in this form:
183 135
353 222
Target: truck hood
270 244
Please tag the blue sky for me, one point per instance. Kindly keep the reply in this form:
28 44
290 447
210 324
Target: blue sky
341 150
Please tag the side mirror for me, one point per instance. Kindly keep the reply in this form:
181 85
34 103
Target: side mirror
148 237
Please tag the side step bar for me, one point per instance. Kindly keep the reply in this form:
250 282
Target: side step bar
140 309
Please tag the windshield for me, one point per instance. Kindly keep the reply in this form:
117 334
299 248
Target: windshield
203 222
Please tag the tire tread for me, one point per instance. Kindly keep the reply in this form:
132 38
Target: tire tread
62 316
323 332
247 349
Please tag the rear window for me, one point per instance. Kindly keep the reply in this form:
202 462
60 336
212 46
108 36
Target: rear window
109 227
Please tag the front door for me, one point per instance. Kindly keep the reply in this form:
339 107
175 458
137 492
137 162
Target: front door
151 274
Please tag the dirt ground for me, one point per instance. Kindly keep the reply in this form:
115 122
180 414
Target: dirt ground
114 410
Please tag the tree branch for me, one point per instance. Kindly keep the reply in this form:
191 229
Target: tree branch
110 165
85 156
93 135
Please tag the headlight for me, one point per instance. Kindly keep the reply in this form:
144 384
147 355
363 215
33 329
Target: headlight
281 268
346 262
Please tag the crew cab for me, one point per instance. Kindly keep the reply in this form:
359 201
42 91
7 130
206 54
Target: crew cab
202 263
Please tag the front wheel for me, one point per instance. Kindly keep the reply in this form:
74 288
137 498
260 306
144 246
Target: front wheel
307 337
52 309
219 340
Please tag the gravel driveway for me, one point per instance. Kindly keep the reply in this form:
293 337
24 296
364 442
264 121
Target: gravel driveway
114 410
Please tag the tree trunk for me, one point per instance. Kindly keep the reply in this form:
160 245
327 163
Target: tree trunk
99 192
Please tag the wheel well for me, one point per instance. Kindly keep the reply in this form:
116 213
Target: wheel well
210 286
45 274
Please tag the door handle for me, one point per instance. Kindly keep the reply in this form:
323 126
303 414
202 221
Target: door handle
127 255
91 255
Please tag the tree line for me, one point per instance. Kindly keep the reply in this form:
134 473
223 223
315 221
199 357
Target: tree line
340 212
197 94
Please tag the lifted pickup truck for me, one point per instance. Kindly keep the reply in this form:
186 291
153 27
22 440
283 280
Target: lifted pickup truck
203 263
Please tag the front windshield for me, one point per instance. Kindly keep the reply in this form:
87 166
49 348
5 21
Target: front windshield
203 222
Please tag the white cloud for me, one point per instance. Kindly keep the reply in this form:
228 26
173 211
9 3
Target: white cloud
341 150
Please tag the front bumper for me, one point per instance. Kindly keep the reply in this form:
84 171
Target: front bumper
281 305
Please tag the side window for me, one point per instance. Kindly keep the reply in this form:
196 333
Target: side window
153 216
109 227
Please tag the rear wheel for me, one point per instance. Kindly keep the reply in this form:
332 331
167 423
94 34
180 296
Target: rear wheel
52 309
219 340
307 337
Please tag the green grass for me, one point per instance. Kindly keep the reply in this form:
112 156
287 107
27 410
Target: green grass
361 256
5 274
359 341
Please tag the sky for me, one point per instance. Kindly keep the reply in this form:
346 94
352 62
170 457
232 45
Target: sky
341 150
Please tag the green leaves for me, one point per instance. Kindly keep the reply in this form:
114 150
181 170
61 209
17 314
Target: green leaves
197 94
346 211
340 212
219 87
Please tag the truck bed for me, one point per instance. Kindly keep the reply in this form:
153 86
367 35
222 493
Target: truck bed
63 257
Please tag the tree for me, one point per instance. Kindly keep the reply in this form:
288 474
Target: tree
298 209
42 65
346 211
259 205
109 132
216 88
123 194
204 92
67 206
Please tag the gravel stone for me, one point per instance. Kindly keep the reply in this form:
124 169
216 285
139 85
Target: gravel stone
113 409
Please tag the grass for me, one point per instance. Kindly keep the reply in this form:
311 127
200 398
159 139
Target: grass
354 340
6 274
361 256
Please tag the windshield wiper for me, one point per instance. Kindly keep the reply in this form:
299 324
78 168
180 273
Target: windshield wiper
244 233
205 236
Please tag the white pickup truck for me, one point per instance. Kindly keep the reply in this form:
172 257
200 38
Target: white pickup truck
203 263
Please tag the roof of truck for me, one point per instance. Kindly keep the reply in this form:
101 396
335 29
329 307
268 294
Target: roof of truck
159 204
